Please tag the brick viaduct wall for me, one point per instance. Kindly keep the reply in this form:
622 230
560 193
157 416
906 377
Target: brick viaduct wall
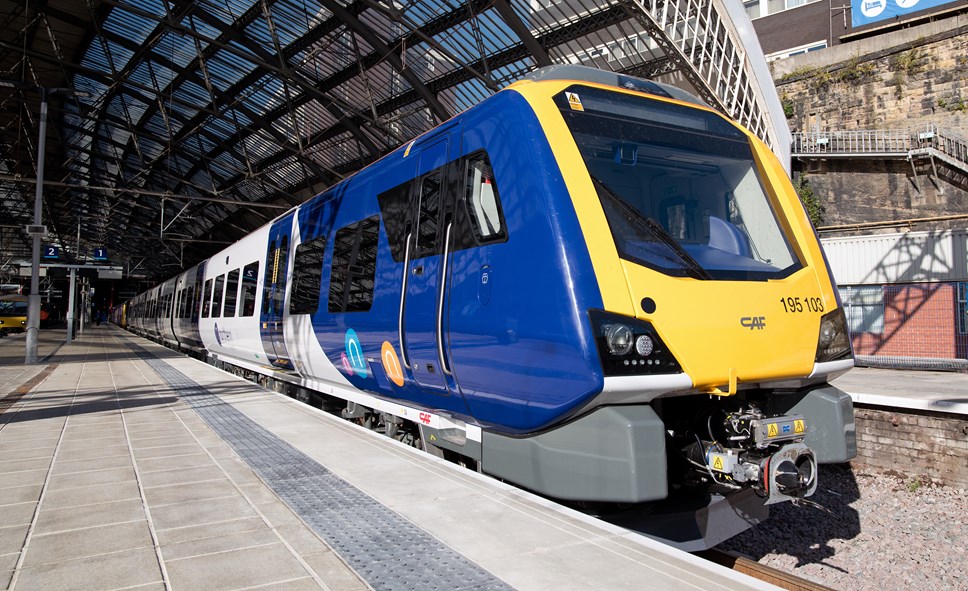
900 81
914 443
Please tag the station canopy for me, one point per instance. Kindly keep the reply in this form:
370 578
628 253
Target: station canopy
177 127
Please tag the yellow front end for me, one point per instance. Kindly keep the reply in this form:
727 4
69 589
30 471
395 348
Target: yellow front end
729 332
724 333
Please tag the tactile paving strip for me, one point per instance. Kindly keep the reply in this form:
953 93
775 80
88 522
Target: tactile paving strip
386 549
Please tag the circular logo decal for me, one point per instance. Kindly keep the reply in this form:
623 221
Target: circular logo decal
346 363
354 354
391 364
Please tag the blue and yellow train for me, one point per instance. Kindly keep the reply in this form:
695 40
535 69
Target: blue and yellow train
590 285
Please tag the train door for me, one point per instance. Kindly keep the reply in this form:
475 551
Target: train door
423 306
274 292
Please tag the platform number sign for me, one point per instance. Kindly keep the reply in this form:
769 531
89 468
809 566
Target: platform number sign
51 252
100 254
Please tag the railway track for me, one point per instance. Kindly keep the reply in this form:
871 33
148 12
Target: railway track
768 574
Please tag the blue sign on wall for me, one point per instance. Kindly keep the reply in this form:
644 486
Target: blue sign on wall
100 254
864 12
51 252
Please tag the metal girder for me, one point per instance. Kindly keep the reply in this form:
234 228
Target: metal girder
391 56
541 57
162 124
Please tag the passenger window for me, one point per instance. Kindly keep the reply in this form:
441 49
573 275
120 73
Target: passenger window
217 296
279 276
206 298
191 308
354 266
179 303
231 293
306 276
186 307
429 212
270 276
483 201
250 278
395 211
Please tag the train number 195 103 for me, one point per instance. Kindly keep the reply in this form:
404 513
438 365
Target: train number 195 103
793 305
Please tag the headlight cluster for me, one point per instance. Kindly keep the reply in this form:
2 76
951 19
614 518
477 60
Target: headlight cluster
834 341
629 346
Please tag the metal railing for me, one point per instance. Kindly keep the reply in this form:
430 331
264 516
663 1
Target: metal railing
927 141
709 48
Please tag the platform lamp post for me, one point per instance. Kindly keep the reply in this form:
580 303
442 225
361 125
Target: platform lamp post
37 230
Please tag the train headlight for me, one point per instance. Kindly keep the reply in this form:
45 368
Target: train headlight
619 339
644 345
833 343
629 346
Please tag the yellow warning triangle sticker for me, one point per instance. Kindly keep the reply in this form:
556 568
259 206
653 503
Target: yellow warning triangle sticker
772 431
799 426
574 101
718 463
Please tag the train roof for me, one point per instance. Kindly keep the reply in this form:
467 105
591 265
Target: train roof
608 78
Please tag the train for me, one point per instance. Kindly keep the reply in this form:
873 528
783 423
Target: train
13 313
590 285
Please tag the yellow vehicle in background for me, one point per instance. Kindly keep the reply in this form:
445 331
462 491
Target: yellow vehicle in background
13 313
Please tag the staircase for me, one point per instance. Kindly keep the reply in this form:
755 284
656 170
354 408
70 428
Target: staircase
930 142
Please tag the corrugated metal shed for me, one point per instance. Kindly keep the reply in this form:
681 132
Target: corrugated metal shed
910 257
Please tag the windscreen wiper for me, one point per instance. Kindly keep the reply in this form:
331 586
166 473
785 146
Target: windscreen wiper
655 229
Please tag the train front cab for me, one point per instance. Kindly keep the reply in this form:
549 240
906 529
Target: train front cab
13 314
720 326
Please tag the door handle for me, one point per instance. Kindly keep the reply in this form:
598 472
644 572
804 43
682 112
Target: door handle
403 302
440 304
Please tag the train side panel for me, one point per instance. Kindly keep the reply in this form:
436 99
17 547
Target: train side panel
519 331
231 297
510 337
305 294
165 311
185 321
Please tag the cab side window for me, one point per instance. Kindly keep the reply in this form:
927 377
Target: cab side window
483 201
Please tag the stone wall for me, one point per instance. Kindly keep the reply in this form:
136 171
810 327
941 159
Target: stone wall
914 443
902 81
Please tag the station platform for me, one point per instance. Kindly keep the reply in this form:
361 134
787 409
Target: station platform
938 391
124 465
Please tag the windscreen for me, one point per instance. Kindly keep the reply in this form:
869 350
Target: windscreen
679 187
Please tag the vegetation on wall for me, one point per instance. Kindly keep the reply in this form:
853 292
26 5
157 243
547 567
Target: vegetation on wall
953 104
811 201
852 71
787 104
904 64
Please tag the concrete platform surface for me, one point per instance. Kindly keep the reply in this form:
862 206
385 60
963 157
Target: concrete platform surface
922 390
128 466
108 482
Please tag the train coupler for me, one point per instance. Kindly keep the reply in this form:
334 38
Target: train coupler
751 450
